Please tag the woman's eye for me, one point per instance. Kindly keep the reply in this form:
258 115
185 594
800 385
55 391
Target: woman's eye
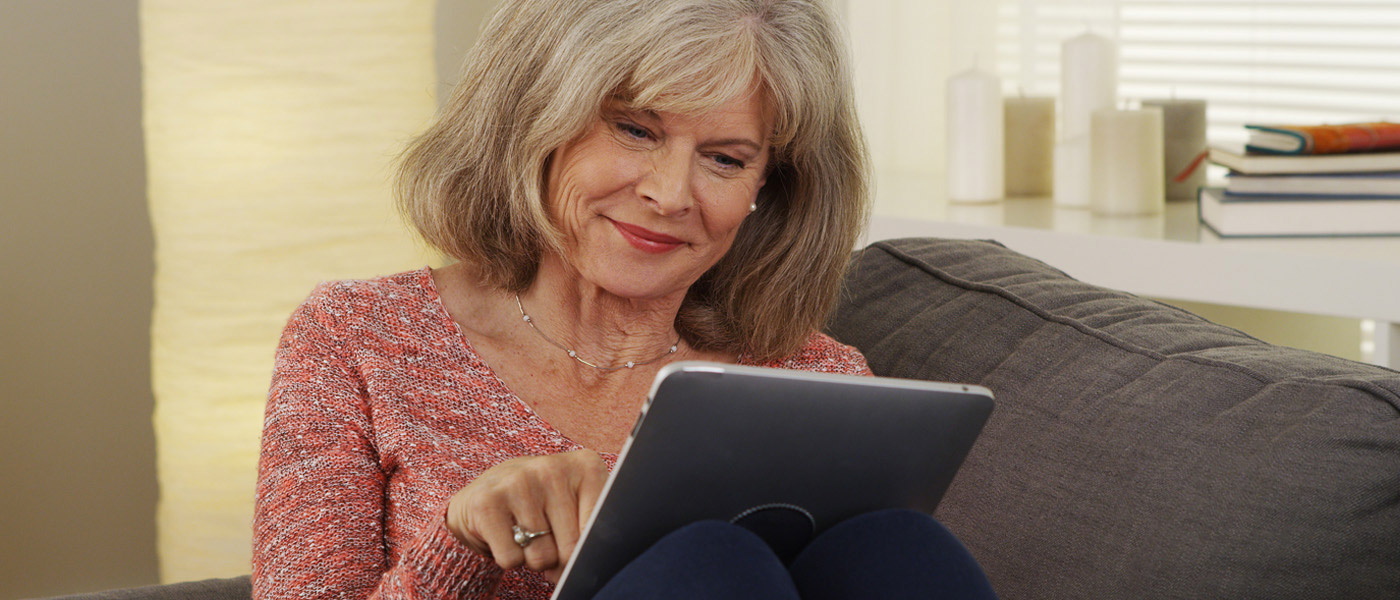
729 162
633 131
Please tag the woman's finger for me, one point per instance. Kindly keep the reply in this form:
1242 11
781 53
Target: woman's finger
544 493
588 474
562 511
540 553
492 524
590 486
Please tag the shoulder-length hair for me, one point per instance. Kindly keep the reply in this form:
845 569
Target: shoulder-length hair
538 78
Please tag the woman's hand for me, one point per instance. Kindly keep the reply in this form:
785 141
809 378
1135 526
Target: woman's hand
538 493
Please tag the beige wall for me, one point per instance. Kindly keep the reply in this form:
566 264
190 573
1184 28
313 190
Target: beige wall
77 510
75 301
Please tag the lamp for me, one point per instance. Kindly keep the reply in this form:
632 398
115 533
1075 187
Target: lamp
271 127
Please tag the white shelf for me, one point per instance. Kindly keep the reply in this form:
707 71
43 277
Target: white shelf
1169 256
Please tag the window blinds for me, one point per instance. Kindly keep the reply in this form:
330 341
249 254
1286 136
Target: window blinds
1255 61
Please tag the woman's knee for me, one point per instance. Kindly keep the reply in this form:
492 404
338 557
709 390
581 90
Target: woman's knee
886 529
706 559
891 554
714 534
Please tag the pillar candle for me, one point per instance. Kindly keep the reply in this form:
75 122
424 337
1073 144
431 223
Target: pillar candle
1072 173
1184 138
1030 146
1125 167
1088 82
975 138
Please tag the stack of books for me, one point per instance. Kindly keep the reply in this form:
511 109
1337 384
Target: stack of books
1308 181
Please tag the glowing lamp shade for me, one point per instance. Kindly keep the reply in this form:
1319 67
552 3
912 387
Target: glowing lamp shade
271 128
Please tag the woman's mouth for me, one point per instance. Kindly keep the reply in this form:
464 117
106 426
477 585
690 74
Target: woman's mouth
645 239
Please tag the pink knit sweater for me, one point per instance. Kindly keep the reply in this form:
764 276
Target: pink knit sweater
379 411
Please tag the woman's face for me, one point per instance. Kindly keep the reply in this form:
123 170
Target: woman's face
648 201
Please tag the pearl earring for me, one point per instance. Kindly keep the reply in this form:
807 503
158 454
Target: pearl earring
753 207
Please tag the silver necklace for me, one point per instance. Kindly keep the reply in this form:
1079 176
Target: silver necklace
574 355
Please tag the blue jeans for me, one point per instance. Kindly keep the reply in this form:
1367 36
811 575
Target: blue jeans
888 554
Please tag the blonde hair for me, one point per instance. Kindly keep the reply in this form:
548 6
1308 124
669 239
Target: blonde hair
538 77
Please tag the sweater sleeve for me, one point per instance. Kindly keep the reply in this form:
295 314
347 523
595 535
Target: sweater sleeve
318 519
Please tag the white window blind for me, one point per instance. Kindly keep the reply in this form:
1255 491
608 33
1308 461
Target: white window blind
1254 61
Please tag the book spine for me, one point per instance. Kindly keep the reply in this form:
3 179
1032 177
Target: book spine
1304 140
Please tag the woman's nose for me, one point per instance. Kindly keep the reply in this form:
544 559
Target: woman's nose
666 185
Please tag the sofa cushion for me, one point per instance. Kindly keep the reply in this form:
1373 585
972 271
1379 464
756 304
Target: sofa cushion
1137 450
233 588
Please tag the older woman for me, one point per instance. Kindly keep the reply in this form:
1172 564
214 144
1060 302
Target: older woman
623 184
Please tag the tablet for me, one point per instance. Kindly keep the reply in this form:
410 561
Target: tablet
718 441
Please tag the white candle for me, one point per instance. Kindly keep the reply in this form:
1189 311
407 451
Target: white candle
1072 173
1125 169
1184 139
975 160
1030 146
1088 82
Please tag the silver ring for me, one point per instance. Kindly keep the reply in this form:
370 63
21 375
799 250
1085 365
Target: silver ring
523 538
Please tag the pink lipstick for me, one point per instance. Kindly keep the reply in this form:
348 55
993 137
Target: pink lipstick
647 240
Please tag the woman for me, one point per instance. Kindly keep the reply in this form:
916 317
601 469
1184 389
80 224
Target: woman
623 184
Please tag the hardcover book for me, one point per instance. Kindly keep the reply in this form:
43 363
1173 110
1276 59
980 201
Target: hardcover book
1326 185
1323 139
1293 216
1263 164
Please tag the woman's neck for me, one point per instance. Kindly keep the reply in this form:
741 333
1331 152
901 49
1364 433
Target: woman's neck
601 327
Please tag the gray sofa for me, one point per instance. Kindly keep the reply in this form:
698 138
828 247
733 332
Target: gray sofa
1137 451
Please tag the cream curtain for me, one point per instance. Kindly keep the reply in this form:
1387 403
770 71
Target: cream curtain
903 52
271 127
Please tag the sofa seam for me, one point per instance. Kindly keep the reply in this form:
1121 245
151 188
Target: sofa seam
1107 337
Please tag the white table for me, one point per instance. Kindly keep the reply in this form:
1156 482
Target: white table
1169 256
